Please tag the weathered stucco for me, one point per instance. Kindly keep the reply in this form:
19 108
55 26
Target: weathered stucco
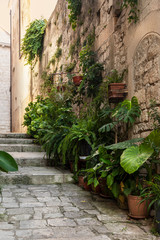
118 44
4 81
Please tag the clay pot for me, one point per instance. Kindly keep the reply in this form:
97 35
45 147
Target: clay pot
116 91
105 192
77 80
157 217
82 162
136 208
95 190
71 167
83 184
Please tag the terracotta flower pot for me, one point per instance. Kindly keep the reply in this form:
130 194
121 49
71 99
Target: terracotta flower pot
105 192
83 184
71 167
157 217
77 80
96 190
116 91
136 208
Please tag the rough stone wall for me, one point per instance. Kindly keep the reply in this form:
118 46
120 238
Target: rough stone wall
98 15
4 81
118 44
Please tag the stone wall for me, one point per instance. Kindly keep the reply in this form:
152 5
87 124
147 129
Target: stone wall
118 44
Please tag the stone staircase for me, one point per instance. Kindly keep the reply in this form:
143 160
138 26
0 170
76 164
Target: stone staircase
32 162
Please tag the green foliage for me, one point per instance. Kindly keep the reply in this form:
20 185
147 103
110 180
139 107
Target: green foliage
71 145
58 53
59 41
133 13
134 157
48 80
75 10
36 117
124 144
126 112
152 191
154 114
32 43
115 77
7 162
70 67
92 72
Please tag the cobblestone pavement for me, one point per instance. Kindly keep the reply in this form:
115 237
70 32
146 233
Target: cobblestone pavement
65 212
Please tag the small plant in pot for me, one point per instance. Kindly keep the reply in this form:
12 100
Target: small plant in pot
151 193
82 181
142 156
138 206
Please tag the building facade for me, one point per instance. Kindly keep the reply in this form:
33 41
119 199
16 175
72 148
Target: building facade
4 81
119 44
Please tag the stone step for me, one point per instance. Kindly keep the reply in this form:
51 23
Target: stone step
16 141
36 176
20 148
37 159
14 135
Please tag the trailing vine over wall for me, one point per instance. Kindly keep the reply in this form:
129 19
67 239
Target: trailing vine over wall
32 43
75 11
133 13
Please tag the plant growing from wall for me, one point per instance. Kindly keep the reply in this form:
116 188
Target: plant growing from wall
58 53
70 67
32 43
133 13
75 10
59 41
92 71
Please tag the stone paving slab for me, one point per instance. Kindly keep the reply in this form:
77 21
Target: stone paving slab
34 159
16 141
13 147
13 135
36 175
65 212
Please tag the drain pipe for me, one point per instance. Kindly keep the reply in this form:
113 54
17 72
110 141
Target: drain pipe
10 70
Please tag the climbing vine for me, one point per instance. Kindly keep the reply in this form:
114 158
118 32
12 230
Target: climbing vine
75 10
133 13
32 43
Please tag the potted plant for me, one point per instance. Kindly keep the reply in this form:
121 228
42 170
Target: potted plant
142 156
78 134
77 80
82 181
137 205
116 88
152 193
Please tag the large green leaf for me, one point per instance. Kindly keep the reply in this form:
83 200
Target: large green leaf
153 139
124 145
7 162
134 157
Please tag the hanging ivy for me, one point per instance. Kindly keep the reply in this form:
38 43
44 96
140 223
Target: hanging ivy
32 43
75 10
133 13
